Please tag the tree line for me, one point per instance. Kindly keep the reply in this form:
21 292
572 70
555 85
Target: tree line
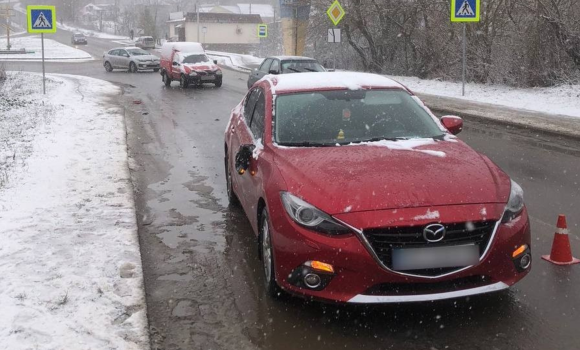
517 42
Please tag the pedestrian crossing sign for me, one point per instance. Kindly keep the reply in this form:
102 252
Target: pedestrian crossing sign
41 19
465 10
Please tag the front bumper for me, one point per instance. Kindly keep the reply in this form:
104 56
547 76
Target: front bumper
360 278
207 78
148 66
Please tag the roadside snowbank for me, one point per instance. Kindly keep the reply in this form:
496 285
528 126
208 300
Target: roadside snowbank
91 33
70 262
235 61
564 99
53 50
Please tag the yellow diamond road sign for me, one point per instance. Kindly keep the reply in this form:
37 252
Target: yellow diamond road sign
335 12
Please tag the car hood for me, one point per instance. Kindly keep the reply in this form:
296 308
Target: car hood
146 58
391 175
200 66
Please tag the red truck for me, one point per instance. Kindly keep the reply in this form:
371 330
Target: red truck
187 63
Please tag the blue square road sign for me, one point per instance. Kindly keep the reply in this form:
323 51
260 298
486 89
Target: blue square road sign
465 10
41 19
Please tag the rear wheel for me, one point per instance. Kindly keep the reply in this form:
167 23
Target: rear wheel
166 79
132 67
267 254
183 82
108 67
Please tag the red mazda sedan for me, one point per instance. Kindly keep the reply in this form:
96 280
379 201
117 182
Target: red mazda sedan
358 193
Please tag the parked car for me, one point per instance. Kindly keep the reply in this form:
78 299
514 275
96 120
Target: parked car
187 63
357 193
78 39
131 58
284 65
145 42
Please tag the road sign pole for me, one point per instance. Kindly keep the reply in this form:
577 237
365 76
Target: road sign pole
464 58
43 72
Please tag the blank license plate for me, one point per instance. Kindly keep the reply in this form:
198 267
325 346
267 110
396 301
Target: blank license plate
436 257
207 77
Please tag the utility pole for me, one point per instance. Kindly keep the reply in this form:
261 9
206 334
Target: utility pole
296 31
6 13
197 14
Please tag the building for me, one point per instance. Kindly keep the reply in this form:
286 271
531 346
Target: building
265 11
217 31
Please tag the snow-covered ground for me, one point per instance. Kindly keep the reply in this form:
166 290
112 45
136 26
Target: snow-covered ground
53 50
564 99
70 264
91 33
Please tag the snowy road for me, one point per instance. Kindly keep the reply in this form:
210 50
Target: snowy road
203 281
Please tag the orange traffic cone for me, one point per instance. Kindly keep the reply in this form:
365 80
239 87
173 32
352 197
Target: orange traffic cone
561 252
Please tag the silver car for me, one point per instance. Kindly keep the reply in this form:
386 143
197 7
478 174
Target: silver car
131 58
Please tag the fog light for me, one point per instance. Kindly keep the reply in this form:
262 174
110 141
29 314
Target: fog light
525 261
312 280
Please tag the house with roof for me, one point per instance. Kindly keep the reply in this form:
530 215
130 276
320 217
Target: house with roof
217 30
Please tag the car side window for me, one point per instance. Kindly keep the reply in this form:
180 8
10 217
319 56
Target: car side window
250 104
122 53
275 66
257 124
265 67
113 52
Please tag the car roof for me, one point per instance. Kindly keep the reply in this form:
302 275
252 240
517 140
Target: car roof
293 58
320 81
125 48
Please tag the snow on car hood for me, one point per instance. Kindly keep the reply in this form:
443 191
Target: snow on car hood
188 67
376 176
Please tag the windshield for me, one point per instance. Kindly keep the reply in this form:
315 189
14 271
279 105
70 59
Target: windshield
301 66
79 36
137 52
198 58
331 117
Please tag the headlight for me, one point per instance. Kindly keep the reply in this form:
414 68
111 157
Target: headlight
218 72
515 204
192 74
310 217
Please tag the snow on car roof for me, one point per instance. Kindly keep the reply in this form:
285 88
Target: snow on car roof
329 80
296 58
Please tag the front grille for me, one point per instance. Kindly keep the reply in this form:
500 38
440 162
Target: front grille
430 287
383 240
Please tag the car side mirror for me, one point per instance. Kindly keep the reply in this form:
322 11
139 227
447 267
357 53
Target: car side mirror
243 158
214 61
452 123
273 71
175 64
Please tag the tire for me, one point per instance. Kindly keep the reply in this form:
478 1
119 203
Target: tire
156 70
166 79
266 253
218 83
132 67
108 67
183 82
232 197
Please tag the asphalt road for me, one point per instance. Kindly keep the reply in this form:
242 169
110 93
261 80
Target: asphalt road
202 277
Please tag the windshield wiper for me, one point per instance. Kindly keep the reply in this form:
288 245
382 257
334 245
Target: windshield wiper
293 69
375 139
310 69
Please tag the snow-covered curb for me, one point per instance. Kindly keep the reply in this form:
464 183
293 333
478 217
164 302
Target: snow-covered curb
70 262
562 100
53 50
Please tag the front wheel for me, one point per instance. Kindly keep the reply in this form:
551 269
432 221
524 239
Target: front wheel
132 67
267 254
156 70
218 83
183 82
108 67
232 197
166 79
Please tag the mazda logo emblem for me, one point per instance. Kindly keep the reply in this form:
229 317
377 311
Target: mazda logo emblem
434 233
